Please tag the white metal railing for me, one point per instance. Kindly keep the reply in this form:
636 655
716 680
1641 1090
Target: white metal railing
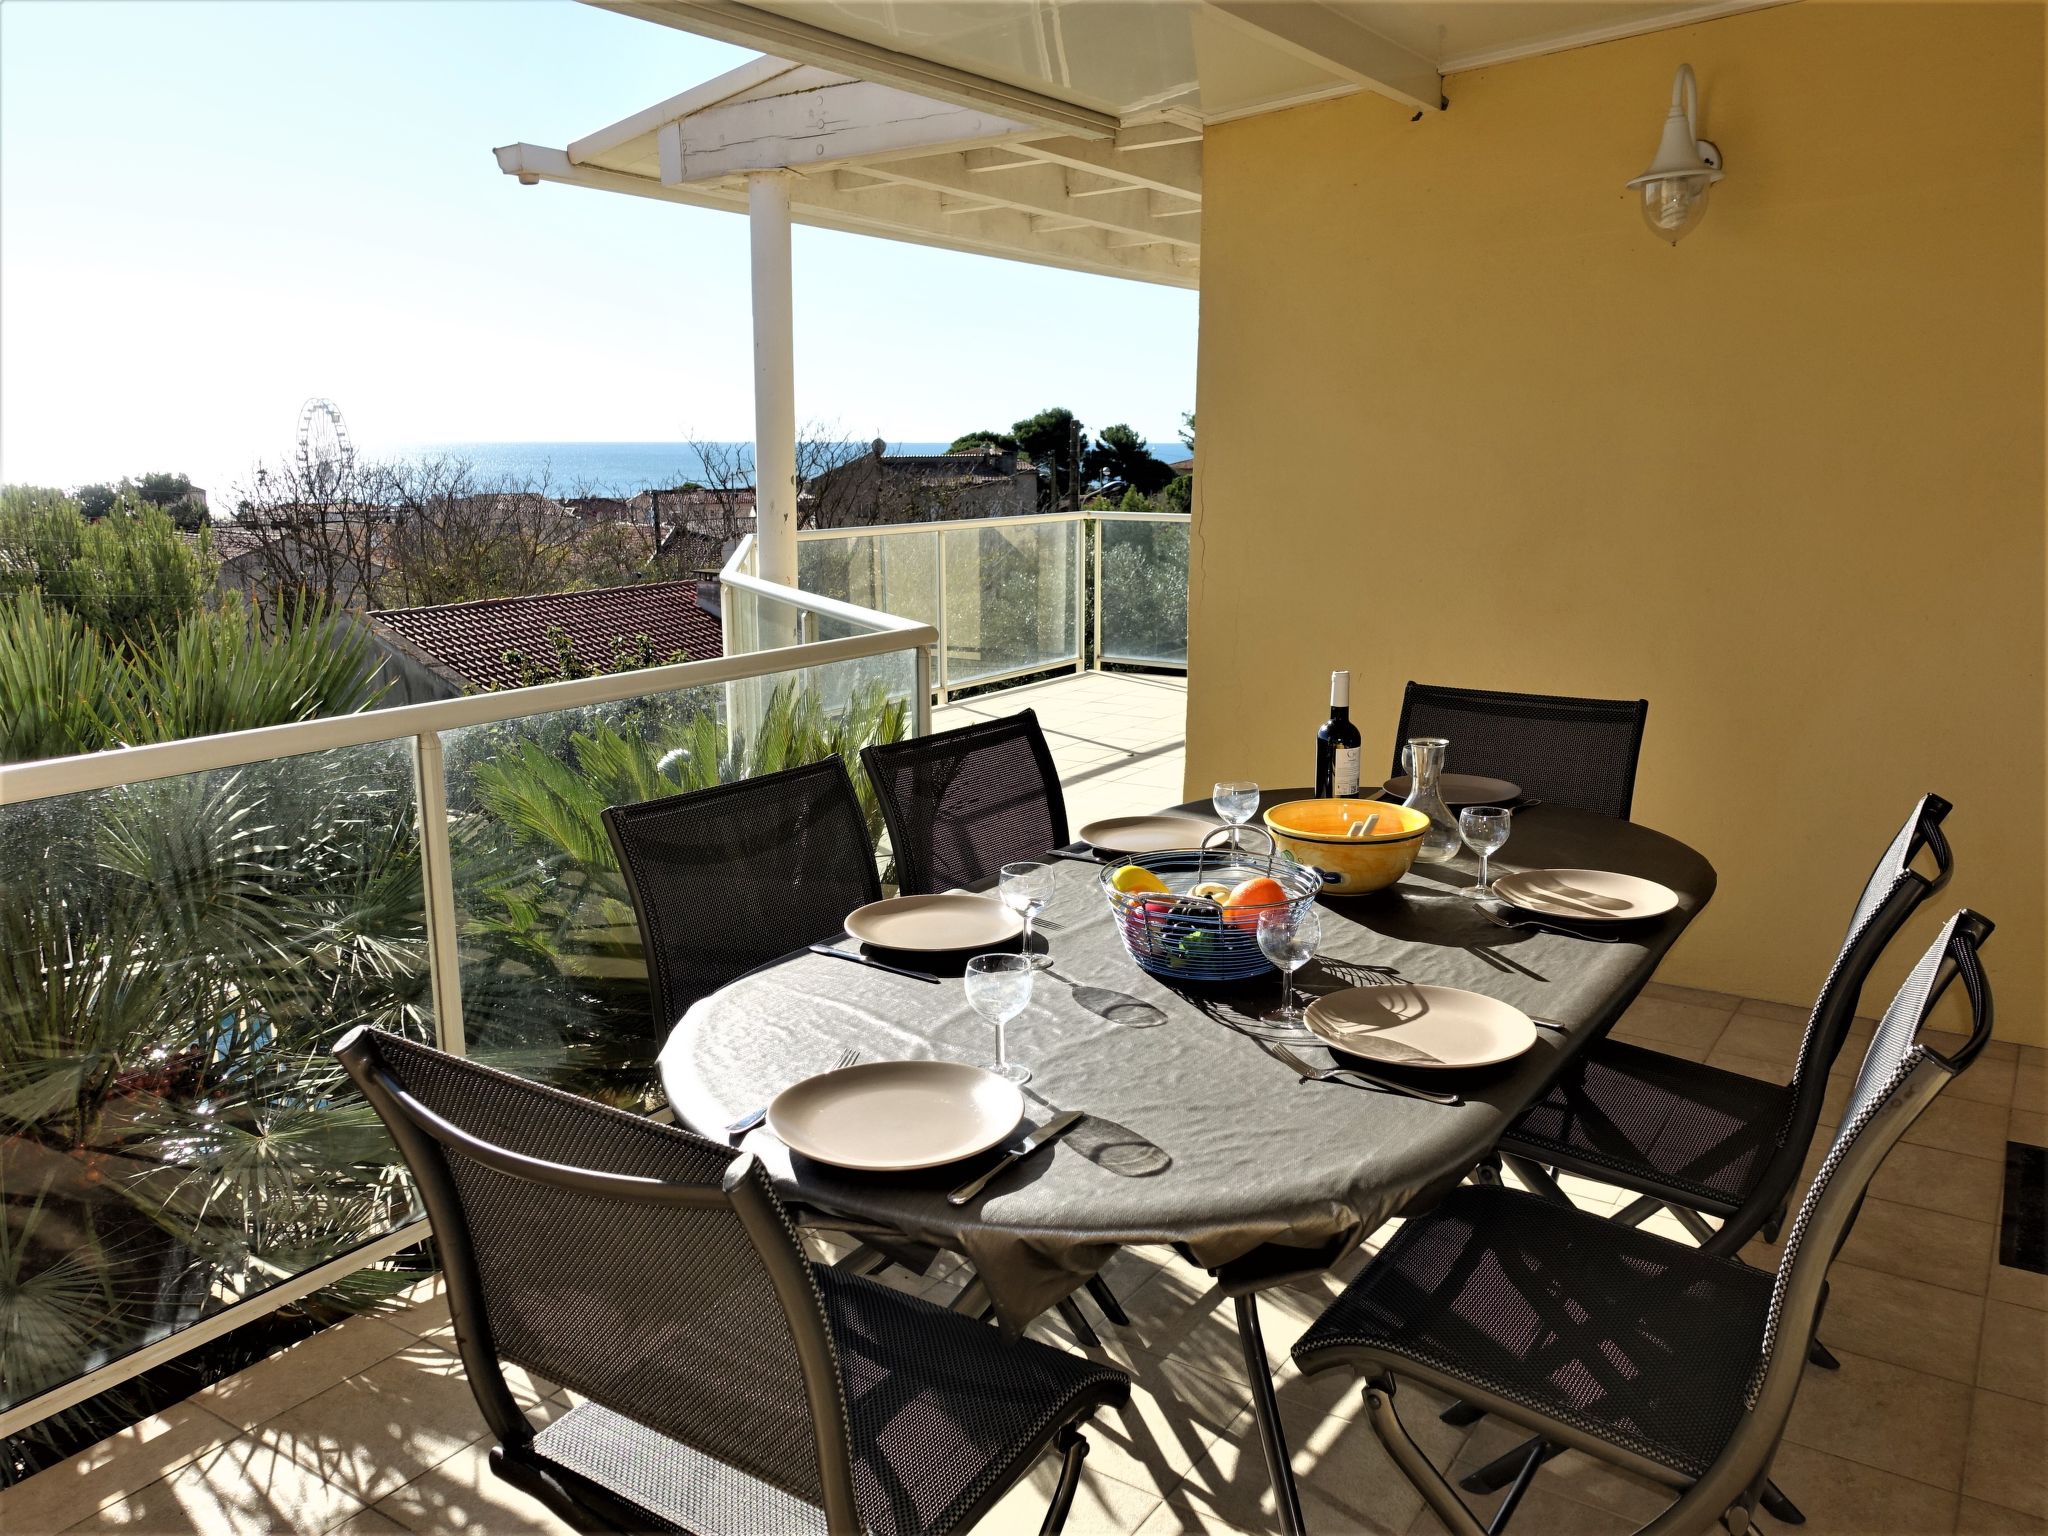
423 725
1082 642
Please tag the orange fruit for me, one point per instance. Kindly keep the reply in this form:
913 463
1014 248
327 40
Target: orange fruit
1241 906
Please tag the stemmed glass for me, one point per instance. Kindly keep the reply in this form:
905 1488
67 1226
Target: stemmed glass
1288 937
999 988
1485 831
1026 889
1236 801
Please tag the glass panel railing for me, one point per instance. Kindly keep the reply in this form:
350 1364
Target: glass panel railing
1144 592
1012 599
179 956
554 985
894 572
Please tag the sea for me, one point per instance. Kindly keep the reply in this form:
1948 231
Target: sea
583 468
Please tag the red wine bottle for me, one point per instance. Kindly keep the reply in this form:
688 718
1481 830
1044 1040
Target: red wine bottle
1337 744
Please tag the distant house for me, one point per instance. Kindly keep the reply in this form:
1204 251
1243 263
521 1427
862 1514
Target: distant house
508 642
884 487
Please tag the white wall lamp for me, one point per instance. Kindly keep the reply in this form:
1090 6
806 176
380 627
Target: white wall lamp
1675 186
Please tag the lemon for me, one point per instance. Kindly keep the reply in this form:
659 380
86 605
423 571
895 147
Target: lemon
1134 878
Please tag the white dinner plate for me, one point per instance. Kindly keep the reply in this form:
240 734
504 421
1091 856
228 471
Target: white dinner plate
891 1116
1585 895
948 921
1461 789
1146 834
1417 1026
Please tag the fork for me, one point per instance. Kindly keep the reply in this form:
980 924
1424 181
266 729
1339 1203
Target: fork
1352 1076
754 1117
1564 933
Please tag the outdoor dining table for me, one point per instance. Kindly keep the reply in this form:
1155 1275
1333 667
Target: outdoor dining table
1195 1136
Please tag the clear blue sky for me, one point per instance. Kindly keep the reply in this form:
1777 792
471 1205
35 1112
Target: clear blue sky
209 212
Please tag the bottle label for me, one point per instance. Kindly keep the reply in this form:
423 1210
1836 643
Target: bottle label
1344 771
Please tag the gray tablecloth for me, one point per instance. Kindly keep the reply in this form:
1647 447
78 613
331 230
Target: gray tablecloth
1197 1136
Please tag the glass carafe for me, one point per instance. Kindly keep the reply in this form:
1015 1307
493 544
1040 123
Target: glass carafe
1423 757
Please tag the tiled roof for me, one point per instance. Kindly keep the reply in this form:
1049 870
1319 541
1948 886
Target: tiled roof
470 639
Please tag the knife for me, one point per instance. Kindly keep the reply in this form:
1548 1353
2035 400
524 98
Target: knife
1044 1136
875 965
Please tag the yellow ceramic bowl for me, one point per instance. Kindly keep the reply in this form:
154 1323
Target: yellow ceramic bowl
1314 832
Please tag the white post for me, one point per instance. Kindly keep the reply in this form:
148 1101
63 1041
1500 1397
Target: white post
774 379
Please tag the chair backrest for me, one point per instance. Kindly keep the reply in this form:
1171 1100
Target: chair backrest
1898 1080
961 804
1892 894
731 877
648 1269
1576 752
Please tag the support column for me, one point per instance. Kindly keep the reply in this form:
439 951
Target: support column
774 378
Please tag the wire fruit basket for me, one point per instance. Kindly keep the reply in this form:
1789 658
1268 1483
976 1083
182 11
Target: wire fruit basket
1180 936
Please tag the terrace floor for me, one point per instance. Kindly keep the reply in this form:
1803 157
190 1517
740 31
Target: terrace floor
1937 1421
1119 738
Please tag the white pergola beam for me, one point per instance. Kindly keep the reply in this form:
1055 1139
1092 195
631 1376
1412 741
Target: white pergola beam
815 128
1332 41
751 27
1040 188
892 211
754 72
1175 168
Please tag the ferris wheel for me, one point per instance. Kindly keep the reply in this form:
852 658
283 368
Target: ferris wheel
325 453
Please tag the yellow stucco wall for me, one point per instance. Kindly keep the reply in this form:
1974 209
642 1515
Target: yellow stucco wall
1464 420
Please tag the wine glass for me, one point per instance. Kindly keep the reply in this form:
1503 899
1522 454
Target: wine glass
1236 801
1485 830
1288 937
1026 889
999 987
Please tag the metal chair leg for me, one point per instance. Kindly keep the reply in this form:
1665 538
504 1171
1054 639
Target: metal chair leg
1693 1222
1780 1508
1105 1298
1266 1409
1442 1499
1520 1486
1638 1210
1537 1178
1507 1466
1072 1445
1078 1321
1819 1354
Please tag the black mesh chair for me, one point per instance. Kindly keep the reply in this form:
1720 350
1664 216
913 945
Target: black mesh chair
729 1384
734 876
1576 752
1699 1139
1675 1363
961 804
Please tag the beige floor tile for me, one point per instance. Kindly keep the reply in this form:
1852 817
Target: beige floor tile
1885 1416
1780 1013
2020 1287
2029 1127
1726 1002
1905 1322
385 1427
461 1496
2029 1084
1656 1020
1961 1125
2013 1358
1102 1505
422 1317
367 1522
1985 1081
242 1487
1174 1416
120 1464
2008 1448
1583 1480
1922 1245
1976 1518
1846 1498
1749 1066
267 1388
1772 1040
1935 1180
1345 1480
